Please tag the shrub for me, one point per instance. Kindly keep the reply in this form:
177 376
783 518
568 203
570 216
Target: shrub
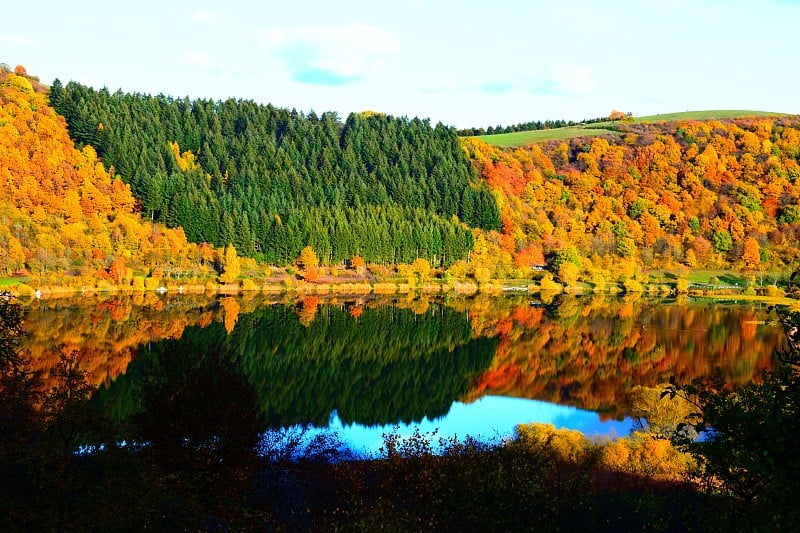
557 444
458 270
482 274
631 285
646 455
774 292
682 286
598 280
23 291
549 285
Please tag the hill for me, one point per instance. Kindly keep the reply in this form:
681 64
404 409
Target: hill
272 181
63 213
520 138
680 194
713 114
677 194
613 127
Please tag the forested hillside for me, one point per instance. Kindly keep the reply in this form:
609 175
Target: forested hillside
718 194
61 211
713 194
272 181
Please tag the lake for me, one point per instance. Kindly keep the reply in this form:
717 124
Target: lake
368 366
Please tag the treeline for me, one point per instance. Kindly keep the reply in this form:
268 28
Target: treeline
385 235
271 181
532 125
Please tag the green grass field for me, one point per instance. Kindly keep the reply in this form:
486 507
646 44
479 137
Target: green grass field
510 140
521 138
9 282
705 115
724 277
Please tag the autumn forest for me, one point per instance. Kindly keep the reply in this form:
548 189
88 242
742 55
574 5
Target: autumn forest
188 287
114 188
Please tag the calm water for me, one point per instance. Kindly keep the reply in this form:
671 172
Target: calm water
365 367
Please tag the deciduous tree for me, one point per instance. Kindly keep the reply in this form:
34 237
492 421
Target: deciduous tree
231 265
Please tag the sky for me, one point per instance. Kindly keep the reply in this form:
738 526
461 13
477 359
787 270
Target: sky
489 418
464 63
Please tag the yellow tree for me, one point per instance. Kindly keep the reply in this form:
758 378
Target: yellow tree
16 255
231 265
690 258
482 275
422 268
568 273
308 259
751 254
309 262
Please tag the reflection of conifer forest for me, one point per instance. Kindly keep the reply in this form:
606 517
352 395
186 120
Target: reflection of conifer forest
388 365
378 362
181 439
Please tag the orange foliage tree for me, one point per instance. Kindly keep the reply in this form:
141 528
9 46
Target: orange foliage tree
64 213
654 194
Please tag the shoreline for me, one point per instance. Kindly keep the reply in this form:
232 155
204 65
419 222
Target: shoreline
392 288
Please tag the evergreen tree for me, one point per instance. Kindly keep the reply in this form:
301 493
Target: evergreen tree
305 169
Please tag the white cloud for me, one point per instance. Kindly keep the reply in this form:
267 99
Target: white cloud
330 55
205 17
571 79
10 38
197 59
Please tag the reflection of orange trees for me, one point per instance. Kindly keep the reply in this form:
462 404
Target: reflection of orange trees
108 332
591 358
231 308
582 351
308 310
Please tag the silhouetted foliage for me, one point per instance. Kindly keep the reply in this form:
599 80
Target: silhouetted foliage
751 432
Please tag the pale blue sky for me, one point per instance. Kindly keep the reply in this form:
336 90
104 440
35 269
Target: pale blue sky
461 62
490 418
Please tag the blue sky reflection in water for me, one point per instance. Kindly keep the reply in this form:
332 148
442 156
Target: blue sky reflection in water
390 364
489 418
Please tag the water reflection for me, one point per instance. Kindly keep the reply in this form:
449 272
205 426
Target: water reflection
466 366
490 418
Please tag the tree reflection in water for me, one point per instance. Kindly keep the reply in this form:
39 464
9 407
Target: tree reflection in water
177 439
